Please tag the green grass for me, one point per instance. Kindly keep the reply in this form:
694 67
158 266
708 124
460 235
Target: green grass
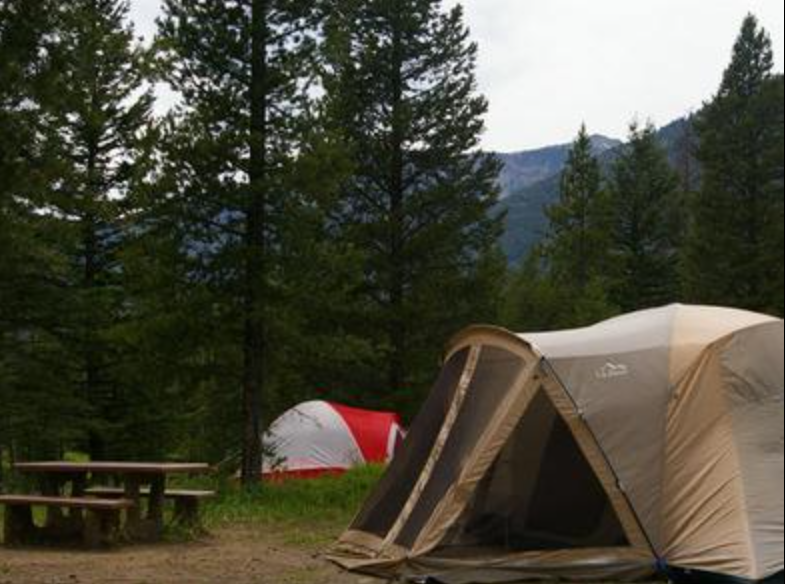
304 512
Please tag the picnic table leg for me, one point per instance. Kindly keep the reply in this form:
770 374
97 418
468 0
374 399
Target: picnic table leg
133 517
50 487
76 517
79 485
101 528
155 512
19 528
187 513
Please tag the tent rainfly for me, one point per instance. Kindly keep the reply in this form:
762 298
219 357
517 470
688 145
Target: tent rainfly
649 443
319 438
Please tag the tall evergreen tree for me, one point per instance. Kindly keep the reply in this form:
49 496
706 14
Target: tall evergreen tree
402 91
578 244
20 38
31 352
96 119
22 27
733 256
243 69
533 301
685 162
578 234
774 97
645 196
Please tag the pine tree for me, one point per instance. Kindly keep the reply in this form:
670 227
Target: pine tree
19 43
20 39
577 247
645 197
23 67
685 163
243 69
96 117
577 241
30 351
532 299
774 97
729 254
401 89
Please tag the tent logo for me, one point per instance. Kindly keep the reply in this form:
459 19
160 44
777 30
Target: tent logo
612 370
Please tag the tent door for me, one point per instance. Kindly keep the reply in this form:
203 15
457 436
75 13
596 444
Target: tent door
541 494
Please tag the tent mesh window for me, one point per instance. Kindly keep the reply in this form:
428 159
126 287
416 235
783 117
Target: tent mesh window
497 371
383 509
540 495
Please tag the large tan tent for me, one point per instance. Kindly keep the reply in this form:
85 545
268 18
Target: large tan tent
651 442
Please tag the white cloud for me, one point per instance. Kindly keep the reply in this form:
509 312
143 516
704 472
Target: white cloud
548 65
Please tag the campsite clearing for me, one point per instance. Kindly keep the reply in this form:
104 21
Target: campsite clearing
236 554
233 554
273 536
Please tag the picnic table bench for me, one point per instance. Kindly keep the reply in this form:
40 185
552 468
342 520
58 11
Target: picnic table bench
187 502
99 526
96 514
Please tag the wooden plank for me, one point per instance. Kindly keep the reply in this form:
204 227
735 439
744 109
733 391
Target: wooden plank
185 494
66 502
139 468
170 494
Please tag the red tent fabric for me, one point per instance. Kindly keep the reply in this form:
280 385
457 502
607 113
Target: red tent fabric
318 438
373 432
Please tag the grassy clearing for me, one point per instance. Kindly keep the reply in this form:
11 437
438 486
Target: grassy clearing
304 512
335 499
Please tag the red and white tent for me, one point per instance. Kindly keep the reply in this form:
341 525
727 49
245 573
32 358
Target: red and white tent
318 438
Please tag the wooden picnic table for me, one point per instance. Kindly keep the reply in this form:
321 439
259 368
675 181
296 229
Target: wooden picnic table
55 477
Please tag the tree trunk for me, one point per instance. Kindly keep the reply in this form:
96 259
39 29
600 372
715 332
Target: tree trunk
397 364
256 224
96 442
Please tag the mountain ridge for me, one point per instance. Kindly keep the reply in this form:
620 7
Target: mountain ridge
525 198
525 168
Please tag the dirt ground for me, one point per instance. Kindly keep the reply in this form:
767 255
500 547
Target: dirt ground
229 556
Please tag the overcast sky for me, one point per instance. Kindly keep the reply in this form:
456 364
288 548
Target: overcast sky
548 65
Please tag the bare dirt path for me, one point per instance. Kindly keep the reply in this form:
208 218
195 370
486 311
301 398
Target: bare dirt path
237 555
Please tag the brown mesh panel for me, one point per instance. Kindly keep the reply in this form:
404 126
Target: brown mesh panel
384 507
541 494
496 372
